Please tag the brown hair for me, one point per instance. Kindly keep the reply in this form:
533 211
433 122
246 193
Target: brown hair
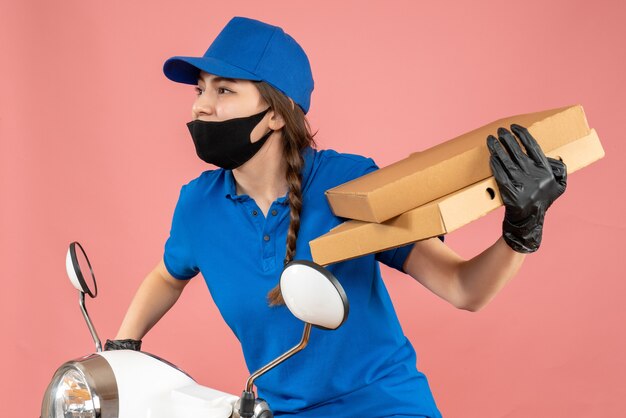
296 135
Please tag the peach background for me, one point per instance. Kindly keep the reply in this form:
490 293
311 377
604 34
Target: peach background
94 148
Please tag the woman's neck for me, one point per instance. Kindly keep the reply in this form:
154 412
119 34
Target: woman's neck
263 176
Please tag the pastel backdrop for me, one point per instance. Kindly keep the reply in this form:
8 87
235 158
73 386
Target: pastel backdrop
94 148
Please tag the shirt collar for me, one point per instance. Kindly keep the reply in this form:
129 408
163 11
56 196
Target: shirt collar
230 191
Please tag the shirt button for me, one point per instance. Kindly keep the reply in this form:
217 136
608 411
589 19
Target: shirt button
255 213
274 212
266 238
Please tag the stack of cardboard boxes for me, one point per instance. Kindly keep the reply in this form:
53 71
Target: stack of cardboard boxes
439 190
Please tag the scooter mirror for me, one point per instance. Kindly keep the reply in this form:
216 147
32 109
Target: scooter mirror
313 294
79 270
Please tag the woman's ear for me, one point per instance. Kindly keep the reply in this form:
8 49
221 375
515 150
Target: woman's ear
276 121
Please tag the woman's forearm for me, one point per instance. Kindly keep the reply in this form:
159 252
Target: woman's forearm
153 299
482 276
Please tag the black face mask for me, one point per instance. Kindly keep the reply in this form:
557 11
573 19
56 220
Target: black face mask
227 144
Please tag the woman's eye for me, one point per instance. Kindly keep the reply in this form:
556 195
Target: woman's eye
220 90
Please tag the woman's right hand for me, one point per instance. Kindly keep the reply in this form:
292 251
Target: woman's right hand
128 344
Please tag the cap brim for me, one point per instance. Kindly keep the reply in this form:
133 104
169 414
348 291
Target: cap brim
186 69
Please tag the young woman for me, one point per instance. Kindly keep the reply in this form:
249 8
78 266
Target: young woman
239 225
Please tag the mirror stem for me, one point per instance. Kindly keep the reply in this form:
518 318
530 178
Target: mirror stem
92 330
299 347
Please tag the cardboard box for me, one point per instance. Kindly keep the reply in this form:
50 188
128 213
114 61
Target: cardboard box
446 214
447 167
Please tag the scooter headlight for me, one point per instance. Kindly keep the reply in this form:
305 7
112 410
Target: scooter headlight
72 397
84 388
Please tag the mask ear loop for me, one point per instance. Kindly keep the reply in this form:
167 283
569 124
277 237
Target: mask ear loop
267 135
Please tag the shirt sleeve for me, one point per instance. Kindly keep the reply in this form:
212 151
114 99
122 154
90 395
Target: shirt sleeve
394 257
178 256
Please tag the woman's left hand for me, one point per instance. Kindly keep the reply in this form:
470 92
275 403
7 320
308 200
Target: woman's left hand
528 182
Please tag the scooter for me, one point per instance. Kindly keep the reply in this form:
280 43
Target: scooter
137 384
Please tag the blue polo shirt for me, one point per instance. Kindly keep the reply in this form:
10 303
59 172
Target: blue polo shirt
367 367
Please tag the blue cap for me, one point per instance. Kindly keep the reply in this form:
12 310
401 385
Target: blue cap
251 50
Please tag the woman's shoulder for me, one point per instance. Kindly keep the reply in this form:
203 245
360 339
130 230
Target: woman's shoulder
206 182
342 165
330 156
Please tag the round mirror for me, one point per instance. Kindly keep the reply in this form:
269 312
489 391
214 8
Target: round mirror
79 270
313 294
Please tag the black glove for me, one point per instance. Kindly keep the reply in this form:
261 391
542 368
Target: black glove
123 345
528 184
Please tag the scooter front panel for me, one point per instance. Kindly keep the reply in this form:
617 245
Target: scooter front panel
151 388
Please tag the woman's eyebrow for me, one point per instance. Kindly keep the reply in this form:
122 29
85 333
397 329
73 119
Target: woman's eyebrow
217 80
229 80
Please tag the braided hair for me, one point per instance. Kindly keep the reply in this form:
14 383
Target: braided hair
296 135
